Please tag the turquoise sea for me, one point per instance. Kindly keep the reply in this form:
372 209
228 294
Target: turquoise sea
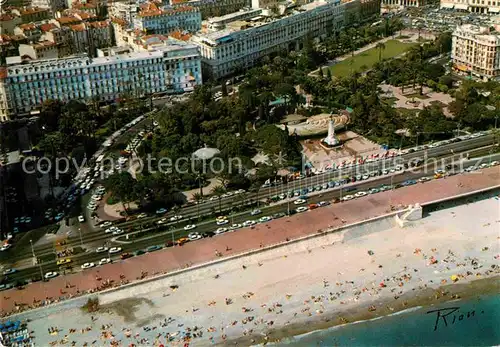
474 322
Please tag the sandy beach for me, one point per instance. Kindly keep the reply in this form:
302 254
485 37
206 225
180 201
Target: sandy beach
301 287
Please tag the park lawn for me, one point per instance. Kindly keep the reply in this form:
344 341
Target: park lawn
392 49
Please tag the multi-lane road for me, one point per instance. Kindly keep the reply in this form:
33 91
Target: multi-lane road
159 237
227 203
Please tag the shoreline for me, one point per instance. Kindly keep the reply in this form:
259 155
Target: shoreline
418 298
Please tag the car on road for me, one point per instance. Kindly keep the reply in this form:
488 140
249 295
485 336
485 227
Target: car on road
208 234
360 194
139 252
106 224
118 232
50 275
5 247
182 241
175 218
9 271
162 221
161 211
264 219
220 231
424 179
279 215
126 255
104 261
194 236
301 209
494 163
81 219
235 226
312 206
190 227
255 212
142 215
348 197
64 261
101 249
323 203
87 266
299 202
114 250
373 191
221 221
153 248
249 223
6 286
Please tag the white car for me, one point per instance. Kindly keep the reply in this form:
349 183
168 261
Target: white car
299 202
365 177
190 227
92 207
114 250
301 209
87 266
249 223
50 275
101 249
118 232
107 224
220 231
494 163
81 219
5 247
194 236
264 219
424 179
142 215
222 222
96 197
374 191
175 218
360 194
104 261
235 226
483 166
348 197
255 212
162 221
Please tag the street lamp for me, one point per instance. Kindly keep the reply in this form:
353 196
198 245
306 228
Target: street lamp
35 259
81 240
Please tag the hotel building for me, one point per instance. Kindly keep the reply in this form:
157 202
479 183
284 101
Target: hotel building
476 50
476 6
170 68
152 19
241 42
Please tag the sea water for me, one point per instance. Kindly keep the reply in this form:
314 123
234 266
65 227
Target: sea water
474 322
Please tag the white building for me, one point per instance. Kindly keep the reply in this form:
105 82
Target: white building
170 68
477 6
476 50
242 43
155 20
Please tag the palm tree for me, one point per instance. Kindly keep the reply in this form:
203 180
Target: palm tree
197 197
381 47
218 191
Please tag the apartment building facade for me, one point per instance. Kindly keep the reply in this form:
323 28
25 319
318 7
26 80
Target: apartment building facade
476 51
155 20
212 8
475 6
171 68
242 43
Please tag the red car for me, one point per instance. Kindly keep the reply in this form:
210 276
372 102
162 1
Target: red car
126 255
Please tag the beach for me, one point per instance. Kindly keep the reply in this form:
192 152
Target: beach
332 279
